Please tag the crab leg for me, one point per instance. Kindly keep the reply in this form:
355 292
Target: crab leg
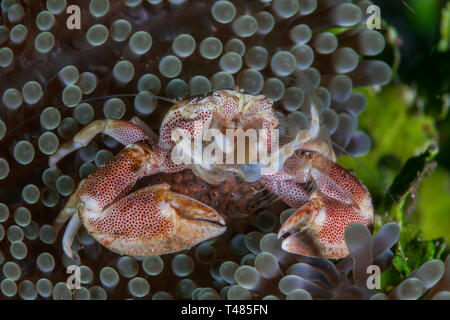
318 226
102 187
115 178
70 233
69 209
292 193
288 183
123 131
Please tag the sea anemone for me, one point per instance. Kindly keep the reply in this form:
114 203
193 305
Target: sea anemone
56 80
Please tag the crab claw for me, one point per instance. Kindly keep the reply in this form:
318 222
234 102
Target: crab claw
317 228
153 221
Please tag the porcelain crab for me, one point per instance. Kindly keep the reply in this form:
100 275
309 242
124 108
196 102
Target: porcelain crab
154 220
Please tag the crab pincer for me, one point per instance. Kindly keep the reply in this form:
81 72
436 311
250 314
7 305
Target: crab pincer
317 228
153 221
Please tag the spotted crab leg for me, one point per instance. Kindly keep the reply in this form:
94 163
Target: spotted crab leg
102 187
289 182
152 220
122 131
317 228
